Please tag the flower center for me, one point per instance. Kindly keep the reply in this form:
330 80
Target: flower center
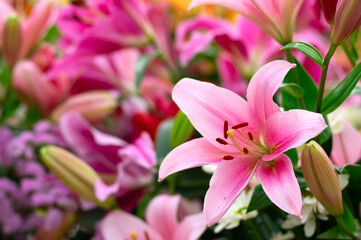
242 139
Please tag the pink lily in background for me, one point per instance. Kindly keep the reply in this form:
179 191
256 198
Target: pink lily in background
277 18
166 220
243 138
33 27
346 143
126 169
29 79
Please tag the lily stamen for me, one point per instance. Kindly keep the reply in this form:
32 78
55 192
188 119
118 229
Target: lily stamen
221 141
228 157
240 125
225 129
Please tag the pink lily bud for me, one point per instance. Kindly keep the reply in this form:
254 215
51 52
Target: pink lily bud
11 40
74 172
36 25
6 10
328 8
347 20
321 178
94 106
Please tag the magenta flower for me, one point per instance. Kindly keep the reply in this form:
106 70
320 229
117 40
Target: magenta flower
277 18
243 138
166 216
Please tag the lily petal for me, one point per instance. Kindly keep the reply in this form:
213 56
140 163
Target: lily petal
263 86
286 130
122 225
346 145
208 107
191 227
280 184
228 181
162 214
191 154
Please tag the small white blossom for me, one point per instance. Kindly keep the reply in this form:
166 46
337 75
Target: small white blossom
282 236
237 212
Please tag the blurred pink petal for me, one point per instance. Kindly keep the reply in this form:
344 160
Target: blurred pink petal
121 225
163 222
346 145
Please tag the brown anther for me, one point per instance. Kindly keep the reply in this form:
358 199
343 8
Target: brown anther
240 125
225 129
228 157
146 235
221 141
245 150
250 136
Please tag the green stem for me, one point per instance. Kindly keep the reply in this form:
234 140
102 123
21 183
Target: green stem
255 229
291 59
264 223
343 226
321 89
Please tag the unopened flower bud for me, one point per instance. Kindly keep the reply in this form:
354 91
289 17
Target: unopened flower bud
74 172
347 20
94 106
329 9
321 178
12 38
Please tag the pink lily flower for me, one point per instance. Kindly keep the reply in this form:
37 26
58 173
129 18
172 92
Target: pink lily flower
243 138
346 143
29 79
126 169
164 222
277 18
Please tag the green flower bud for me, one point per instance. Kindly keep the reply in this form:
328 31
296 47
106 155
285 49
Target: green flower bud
321 178
74 172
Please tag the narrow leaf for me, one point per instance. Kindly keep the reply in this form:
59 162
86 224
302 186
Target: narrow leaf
341 91
141 66
259 199
293 89
163 139
181 131
307 49
309 87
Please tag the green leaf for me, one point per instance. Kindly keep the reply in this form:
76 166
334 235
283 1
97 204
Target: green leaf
307 49
354 171
163 139
259 199
292 154
181 131
309 87
347 218
325 138
293 89
10 105
141 66
341 91
333 233
52 35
